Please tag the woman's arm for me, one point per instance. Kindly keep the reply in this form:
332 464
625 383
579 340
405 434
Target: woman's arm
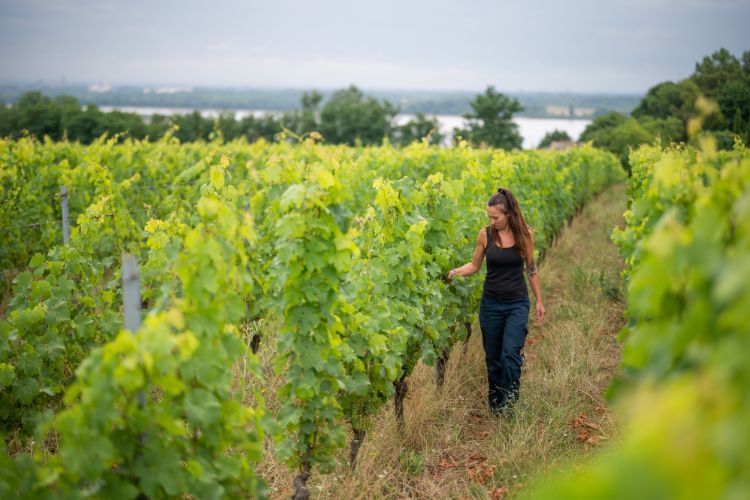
532 272
476 261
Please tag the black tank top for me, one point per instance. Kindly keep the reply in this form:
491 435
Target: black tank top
504 279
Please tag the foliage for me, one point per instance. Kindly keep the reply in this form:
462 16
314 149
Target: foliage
669 99
618 134
153 412
346 117
665 112
314 256
684 394
307 119
554 136
347 247
620 138
417 129
349 117
490 121
601 124
63 116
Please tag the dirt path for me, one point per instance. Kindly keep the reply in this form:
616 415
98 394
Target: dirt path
451 446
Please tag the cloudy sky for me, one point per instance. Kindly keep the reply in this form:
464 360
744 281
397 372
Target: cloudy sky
516 45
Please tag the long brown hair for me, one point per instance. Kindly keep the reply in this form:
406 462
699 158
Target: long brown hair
506 202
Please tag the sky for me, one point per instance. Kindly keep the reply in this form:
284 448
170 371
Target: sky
618 46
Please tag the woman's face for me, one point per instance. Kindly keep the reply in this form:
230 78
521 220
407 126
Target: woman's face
498 218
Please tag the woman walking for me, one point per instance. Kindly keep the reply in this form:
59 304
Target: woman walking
504 309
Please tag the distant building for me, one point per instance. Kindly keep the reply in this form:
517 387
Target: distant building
569 111
584 112
100 88
556 111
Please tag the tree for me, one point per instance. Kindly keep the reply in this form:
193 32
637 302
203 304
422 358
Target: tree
619 138
227 125
490 122
305 120
618 134
39 115
157 126
554 136
668 130
309 115
349 117
600 124
733 97
64 117
7 121
417 129
669 99
192 127
725 78
714 71
119 122
84 126
265 127
737 127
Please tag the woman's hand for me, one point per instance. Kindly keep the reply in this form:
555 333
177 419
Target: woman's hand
539 311
452 274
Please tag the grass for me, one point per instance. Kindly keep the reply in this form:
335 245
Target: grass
451 447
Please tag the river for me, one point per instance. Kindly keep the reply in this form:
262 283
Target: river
531 129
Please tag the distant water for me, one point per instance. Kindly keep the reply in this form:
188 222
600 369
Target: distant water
531 129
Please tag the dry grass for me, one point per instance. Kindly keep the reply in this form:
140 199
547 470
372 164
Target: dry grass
451 447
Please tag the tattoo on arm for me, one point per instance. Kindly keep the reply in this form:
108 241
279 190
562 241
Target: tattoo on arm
531 270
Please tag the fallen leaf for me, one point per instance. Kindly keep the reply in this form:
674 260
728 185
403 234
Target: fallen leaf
498 493
482 473
587 432
445 464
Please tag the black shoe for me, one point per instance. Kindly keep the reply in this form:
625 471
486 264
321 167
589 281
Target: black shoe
498 411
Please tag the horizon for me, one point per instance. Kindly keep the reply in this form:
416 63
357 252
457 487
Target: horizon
624 47
187 88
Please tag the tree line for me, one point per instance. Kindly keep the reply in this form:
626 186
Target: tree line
347 117
665 111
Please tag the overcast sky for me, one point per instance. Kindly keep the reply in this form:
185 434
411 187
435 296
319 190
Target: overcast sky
516 45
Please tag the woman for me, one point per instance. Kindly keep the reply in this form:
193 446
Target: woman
504 309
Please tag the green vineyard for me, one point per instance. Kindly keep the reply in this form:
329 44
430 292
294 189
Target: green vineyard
345 249
683 394
342 252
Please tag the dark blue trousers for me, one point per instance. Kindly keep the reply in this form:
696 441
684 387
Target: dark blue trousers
504 326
